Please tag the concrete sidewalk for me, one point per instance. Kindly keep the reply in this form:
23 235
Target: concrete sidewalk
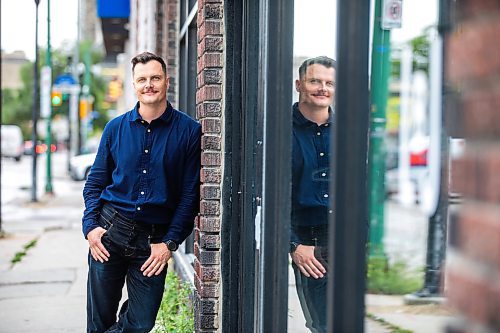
45 291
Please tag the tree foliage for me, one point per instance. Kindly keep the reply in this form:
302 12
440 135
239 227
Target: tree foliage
420 46
17 104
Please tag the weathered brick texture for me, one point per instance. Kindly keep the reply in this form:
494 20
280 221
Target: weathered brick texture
168 43
209 109
211 175
209 94
209 224
211 125
473 107
210 158
473 54
210 142
475 175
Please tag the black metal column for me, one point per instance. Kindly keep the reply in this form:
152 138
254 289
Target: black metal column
238 228
349 222
273 307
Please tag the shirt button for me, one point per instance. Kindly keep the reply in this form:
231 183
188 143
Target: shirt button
330 211
319 133
142 192
325 195
321 154
142 121
323 174
138 208
144 171
146 151
326 125
149 130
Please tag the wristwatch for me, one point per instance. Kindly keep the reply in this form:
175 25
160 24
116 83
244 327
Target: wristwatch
171 245
293 246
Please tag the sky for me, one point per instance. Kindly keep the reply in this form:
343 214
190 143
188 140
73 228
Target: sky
315 24
18 24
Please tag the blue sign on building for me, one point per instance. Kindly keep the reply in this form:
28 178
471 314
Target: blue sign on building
113 8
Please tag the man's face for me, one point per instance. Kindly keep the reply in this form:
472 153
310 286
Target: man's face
150 83
317 87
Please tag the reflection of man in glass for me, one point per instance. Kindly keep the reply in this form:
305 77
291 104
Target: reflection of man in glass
312 120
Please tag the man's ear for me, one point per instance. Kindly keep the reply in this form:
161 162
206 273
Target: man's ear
297 85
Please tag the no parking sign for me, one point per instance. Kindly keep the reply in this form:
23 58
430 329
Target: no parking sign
392 11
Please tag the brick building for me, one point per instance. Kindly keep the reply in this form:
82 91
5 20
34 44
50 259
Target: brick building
473 77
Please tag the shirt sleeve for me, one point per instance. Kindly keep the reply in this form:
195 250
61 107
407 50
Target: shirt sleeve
188 207
97 180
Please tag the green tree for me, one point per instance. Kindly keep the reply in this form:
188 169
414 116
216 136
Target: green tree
97 86
420 46
17 104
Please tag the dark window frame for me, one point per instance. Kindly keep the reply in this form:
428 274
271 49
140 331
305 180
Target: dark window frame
188 48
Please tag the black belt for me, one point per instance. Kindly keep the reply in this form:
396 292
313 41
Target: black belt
312 235
111 215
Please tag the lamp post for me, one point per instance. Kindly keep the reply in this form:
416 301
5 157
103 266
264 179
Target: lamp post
36 103
48 186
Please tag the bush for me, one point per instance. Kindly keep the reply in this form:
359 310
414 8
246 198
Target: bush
384 278
176 309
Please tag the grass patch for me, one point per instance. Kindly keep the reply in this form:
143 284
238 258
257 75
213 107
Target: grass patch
393 328
19 255
176 310
392 279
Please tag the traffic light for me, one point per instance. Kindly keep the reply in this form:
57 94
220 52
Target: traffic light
115 90
84 106
56 98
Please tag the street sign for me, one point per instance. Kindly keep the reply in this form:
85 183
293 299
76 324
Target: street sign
392 12
65 79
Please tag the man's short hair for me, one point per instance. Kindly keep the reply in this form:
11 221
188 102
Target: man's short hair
146 57
322 60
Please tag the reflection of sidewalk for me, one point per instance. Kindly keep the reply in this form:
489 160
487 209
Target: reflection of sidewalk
45 291
296 321
405 239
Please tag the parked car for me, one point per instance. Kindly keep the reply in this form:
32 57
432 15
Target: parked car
12 141
80 166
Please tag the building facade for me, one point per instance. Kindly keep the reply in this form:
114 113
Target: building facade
229 63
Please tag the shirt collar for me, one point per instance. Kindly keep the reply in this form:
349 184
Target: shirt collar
300 120
165 117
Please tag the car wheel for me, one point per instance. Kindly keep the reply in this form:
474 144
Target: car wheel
86 173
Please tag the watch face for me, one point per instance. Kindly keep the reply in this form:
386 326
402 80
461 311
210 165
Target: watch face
172 246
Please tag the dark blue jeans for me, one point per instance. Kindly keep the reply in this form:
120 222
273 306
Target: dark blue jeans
129 246
312 292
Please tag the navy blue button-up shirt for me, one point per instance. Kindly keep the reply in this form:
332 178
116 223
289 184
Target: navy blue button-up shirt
149 172
310 172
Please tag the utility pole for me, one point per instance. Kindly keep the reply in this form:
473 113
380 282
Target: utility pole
34 115
87 99
48 138
376 159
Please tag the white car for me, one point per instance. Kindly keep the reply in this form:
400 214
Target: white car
12 142
80 166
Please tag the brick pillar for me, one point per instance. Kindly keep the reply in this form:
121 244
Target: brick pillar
473 74
169 47
209 94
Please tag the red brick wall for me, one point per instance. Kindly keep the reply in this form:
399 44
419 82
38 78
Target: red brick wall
169 46
473 74
209 111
